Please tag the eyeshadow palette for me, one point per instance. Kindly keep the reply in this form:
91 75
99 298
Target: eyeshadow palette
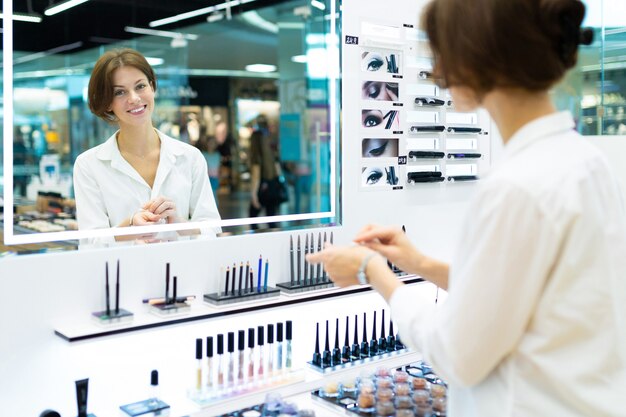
412 390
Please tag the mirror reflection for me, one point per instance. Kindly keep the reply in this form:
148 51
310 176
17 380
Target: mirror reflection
235 123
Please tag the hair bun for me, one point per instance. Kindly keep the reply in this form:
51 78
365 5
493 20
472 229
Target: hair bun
586 36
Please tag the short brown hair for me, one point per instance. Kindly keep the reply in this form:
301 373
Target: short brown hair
100 90
486 44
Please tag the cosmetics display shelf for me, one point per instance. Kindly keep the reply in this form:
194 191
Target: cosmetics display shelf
312 380
83 328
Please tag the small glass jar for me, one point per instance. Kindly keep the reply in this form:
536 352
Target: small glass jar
419 384
366 386
405 413
384 394
385 409
438 391
402 389
404 402
384 382
440 406
330 390
347 387
400 376
365 402
422 398
382 372
423 411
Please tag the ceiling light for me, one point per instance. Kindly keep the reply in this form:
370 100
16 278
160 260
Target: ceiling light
154 61
256 20
215 17
163 33
300 59
260 68
24 17
178 43
318 4
198 12
61 7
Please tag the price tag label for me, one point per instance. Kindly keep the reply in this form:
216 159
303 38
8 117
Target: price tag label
352 40
402 160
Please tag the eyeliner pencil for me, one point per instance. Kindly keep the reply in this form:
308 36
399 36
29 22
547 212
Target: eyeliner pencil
306 264
251 281
259 274
311 250
227 280
247 274
167 283
324 277
232 285
318 276
299 261
174 290
291 258
267 265
117 289
106 289
240 276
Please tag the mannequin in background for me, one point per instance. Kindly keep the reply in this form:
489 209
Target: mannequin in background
535 320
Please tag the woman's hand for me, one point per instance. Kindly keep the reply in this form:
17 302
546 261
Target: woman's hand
254 200
341 263
393 244
144 218
164 208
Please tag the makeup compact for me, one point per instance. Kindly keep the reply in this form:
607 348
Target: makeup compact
153 406
171 304
112 315
304 276
240 286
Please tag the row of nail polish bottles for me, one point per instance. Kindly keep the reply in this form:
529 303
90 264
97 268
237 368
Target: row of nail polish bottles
350 354
256 363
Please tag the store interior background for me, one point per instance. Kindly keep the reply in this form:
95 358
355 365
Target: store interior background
54 288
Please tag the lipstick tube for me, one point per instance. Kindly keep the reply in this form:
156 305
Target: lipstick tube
251 354
241 345
288 356
270 349
260 342
209 362
220 366
198 364
231 359
279 347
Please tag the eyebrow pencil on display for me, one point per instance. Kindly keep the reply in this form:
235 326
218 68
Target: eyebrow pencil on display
232 288
167 283
267 266
306 264
240 277
291 259
311 250
246 278
117 289
299 263
318 276
259 274
227 280
106 290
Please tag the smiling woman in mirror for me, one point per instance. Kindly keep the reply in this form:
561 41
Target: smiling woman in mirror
139 176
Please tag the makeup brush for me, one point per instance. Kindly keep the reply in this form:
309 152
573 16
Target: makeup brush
326 356
317 357
374 341
382 341
345 353
336 358
356 350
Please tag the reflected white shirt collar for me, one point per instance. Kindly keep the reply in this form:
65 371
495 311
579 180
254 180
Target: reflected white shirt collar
544 127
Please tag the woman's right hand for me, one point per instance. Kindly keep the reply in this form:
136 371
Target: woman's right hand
393 244
144 217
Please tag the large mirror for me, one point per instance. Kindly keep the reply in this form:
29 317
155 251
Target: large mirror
243 83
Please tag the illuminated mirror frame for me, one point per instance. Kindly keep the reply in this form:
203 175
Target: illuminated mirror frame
11 239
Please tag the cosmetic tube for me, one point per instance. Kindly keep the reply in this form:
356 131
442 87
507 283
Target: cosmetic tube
279 347
231 359
365 348
251 354
270 349
326 355
198 364
241 345
345 353
209 362
356 350
220 360
289 353
260 342
82 390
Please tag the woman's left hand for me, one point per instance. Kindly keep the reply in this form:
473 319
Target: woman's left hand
341 263
162 207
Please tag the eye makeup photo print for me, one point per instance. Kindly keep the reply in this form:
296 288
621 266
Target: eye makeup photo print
379 148
378 90
380 119
380 61
379 176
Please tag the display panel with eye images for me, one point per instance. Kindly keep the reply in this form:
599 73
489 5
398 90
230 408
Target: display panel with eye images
381 61
380 119
380 90
379 176
379 148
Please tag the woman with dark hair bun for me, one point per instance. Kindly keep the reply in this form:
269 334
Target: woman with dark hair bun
535 319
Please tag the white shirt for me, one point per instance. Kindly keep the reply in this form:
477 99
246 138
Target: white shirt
109 190
535 319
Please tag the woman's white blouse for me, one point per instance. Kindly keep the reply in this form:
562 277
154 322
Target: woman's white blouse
108 190
535 319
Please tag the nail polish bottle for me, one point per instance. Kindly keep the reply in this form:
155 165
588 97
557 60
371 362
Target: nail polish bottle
336 351
241 345
374 341
391 340
231 359
365 347
382 341
220 361
198 364
260 341
355 354
327 355
345 353
250 354
317 357
279 347
288 355
209 362
270 349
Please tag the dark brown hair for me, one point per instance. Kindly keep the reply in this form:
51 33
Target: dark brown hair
486 44
100 90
